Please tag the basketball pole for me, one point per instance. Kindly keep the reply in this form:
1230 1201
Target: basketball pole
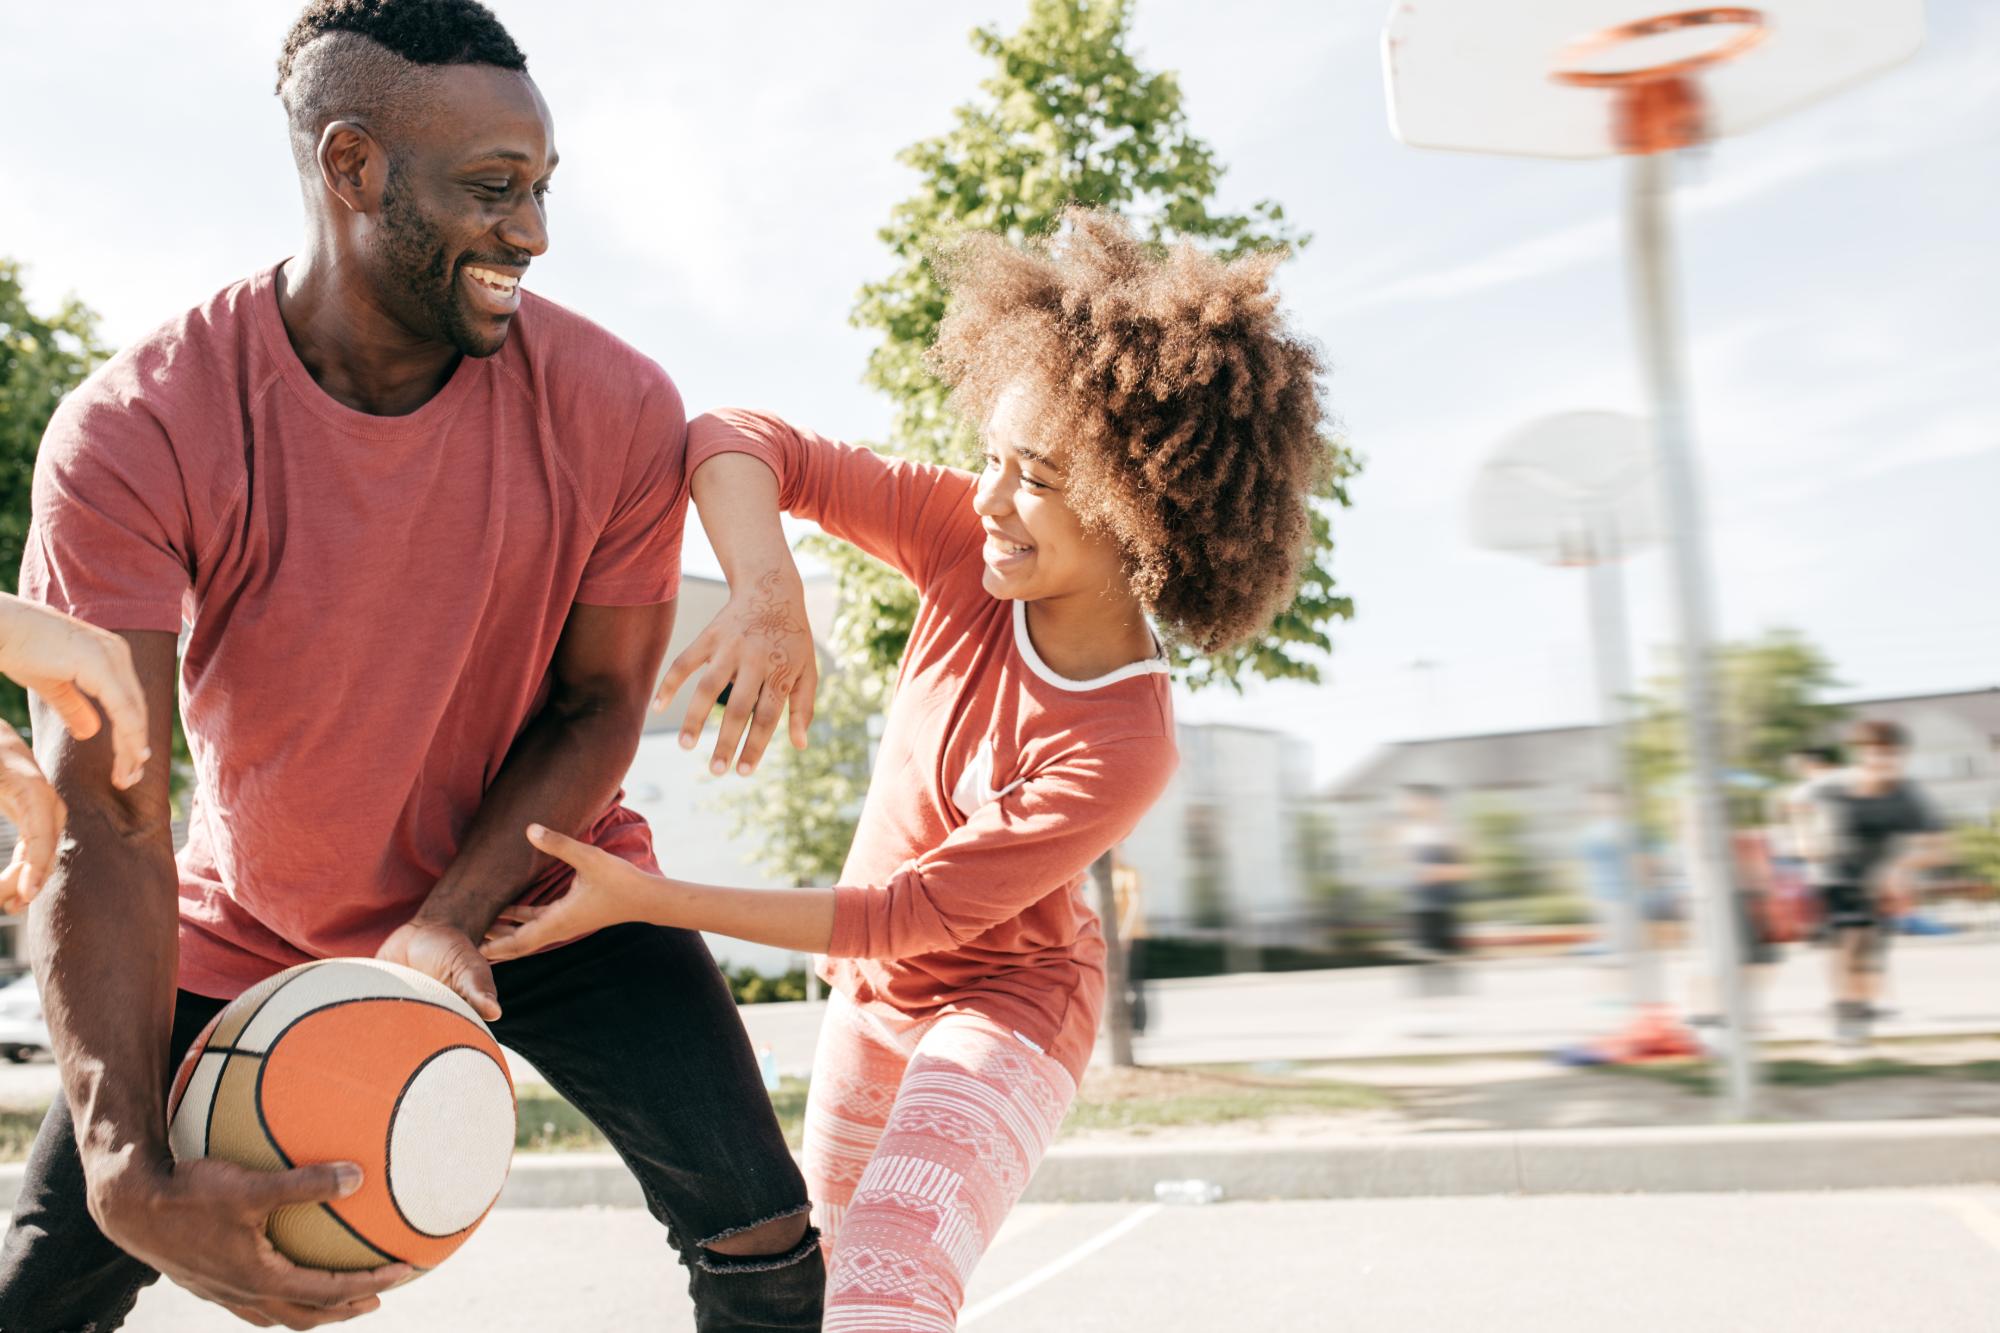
1657 325
1605 582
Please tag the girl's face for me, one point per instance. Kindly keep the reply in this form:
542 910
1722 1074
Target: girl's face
1036 546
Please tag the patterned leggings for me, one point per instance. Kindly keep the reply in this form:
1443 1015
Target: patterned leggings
920 1135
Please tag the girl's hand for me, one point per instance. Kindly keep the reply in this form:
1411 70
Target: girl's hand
70 663
27 798
760 649
606 891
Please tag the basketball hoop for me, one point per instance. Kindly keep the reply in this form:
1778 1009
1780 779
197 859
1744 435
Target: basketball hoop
1751 21
1658 108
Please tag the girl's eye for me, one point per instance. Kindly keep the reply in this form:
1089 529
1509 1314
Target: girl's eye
991 461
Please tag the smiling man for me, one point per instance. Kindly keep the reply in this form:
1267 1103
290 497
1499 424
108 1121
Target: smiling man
424 530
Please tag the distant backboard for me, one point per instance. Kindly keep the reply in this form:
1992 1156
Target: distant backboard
1570 489
1482 76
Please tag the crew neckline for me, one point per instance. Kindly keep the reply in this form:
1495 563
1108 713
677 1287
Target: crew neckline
423 421
1155 665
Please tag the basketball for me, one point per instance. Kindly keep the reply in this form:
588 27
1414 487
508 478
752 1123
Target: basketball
352 1060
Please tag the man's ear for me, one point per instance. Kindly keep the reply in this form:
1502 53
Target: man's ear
353 166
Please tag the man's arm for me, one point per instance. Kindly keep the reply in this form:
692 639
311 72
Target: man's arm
562 771
104 936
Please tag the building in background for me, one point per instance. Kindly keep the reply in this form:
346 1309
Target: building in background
1544 778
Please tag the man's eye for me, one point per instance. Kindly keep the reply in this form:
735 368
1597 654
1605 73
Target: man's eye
496 189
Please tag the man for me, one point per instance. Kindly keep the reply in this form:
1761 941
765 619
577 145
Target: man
1871 829
425 530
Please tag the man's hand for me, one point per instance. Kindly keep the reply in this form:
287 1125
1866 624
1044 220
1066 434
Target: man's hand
204 1225
760 649
448 954
605 891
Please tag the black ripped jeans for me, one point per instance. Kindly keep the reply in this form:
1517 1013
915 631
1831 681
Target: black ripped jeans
636 1027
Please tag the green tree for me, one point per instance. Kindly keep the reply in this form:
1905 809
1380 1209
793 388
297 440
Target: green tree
1504 866
1769 703
42 357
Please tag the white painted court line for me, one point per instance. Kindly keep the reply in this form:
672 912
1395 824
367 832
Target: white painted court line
1022 1286
1981 1220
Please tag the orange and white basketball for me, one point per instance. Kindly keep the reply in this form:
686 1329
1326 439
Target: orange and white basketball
353 1060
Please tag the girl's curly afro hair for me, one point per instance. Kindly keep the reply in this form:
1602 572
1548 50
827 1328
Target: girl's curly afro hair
1188 416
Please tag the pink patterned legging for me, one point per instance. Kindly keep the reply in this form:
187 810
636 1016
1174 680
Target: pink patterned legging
920 1135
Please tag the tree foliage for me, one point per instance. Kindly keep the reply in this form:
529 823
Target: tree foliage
42 357
1769 703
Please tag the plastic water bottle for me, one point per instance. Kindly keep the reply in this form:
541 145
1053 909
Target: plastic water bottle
1186 1191
768 1064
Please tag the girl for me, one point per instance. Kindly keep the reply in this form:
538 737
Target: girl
1151 437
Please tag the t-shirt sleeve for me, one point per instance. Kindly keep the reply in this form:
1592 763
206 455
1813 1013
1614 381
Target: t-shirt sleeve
637 558
914 517
1011 853
109 539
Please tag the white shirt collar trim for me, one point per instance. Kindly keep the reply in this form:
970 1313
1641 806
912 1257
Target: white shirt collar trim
1156 665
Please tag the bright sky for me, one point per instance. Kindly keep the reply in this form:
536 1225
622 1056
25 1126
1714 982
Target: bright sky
724 170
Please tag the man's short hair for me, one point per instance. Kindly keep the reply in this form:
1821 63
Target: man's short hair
369 61
1879 731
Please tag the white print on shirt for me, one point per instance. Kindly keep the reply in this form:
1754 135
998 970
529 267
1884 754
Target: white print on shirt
974 787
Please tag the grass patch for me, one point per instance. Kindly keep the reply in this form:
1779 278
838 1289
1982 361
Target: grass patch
17 1132
1701 1077
546 1123
1139 1100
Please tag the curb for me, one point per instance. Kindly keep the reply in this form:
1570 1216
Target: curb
1716 1159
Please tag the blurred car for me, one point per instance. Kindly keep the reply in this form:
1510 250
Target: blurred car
24 1034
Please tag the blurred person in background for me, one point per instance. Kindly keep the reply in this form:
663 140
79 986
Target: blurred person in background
1436 871
1867 832
1788 826
1605 852
1129 893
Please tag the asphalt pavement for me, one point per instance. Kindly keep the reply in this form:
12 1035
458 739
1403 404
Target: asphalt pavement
1852 1262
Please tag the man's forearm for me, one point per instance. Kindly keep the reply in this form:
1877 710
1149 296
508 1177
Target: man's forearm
104 936
563 772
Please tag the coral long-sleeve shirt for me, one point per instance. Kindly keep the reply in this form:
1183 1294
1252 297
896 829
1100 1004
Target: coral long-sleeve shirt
997 781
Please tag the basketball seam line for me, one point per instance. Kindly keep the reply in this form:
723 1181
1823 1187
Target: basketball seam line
389 1160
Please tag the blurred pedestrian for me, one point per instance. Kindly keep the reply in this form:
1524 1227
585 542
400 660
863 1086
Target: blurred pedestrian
1868 831
1128 891
1604 847
1436 871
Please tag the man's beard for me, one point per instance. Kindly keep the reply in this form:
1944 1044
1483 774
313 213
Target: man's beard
419 281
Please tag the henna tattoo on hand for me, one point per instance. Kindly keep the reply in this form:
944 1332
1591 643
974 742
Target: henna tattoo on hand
771 612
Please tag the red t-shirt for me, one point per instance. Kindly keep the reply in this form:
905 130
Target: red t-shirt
997 781
373 602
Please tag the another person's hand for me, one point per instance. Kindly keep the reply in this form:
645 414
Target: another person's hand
759 648
448 954
606 891
204 1225
38 815
69 664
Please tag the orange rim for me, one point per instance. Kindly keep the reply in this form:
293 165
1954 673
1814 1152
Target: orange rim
1754 32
